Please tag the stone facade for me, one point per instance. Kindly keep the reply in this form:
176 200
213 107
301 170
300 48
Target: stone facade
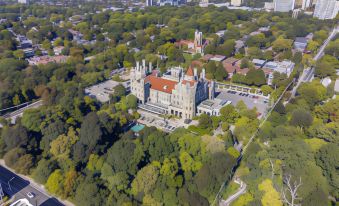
173 93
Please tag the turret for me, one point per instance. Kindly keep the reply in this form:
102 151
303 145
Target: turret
211 91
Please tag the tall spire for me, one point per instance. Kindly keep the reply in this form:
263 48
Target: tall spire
189 71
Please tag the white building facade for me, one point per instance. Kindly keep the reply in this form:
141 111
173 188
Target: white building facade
326 9
236 2
284 5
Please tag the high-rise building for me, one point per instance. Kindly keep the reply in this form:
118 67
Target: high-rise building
284 5
236 2
326 9
23 1
149 2
306 4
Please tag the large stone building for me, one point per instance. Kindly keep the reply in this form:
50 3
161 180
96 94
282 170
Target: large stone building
174 93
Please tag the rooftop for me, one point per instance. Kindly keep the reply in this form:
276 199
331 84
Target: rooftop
160 84
102 90
301 40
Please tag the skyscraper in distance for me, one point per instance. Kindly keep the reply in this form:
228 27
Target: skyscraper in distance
149 2
23 1
326 9
306 4
284 5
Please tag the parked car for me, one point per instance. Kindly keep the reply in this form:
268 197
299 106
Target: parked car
30 195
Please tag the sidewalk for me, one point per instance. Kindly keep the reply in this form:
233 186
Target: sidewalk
37 186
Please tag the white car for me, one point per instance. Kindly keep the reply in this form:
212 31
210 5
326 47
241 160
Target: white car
30 195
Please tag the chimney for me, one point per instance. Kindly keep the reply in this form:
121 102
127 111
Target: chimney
203 74
150 67
138 66
144 63
212 90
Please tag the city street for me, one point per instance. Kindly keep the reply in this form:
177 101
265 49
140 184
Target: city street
14 185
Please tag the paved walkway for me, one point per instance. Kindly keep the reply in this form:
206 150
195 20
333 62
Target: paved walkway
233 197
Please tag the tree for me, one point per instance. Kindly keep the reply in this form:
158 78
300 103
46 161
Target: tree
43 170
220 73
17 159
271 196
290 193
16 136
32 119
327 159
326 66
281 45
301 118
211 68
55 182
132 101
256 77
62 145
227 48
19 54
145 179
266 89
90 137
258 40
255 53
205 121
119 91
333 48
229 114
89 193
320 36
312 46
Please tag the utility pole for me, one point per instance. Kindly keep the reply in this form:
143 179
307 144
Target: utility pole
9 183
1 194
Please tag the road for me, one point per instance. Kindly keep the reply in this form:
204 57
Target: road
308 73
240 191
326 42
18 113
16 186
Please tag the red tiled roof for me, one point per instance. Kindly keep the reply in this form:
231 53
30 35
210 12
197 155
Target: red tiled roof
190 72
243 71
229 67
159 84
197 63
207 57
231 60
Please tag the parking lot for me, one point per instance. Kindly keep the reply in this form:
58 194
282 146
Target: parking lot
261 103
102 90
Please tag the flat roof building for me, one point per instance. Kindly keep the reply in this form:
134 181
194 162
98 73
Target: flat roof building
212 107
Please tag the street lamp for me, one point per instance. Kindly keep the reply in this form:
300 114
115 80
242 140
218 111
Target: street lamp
9 185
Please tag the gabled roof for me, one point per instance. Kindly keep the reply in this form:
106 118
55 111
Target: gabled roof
302 40
190 72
